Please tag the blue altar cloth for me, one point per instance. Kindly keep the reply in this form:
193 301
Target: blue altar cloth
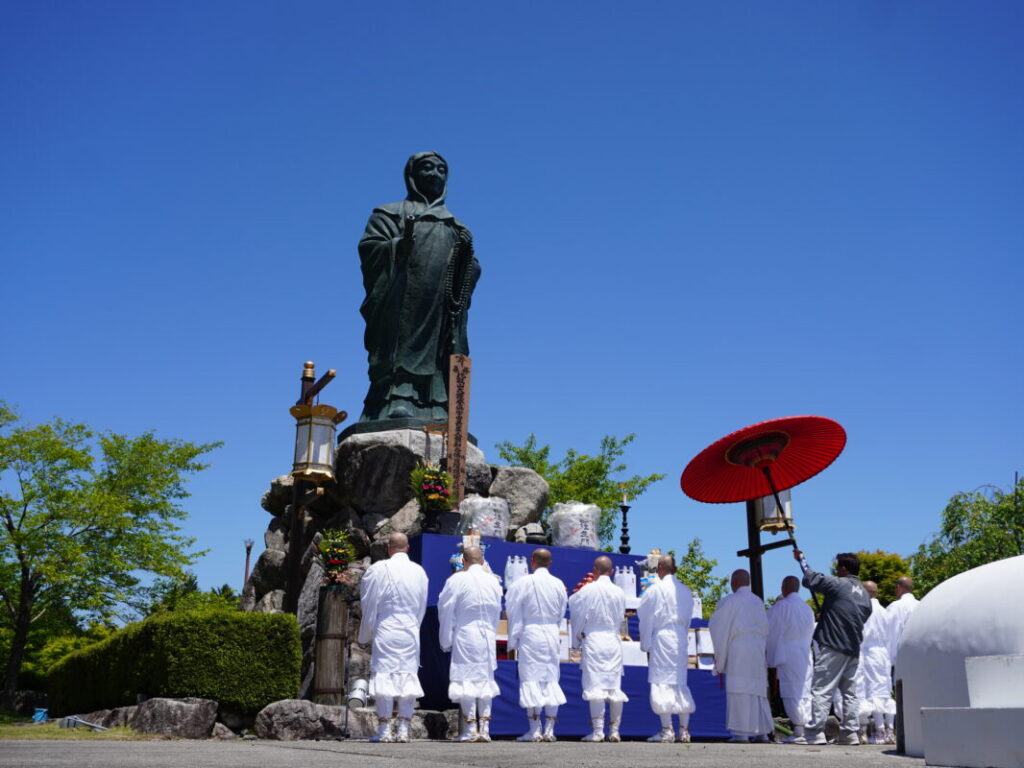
507 717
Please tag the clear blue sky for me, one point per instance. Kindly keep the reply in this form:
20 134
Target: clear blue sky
690 217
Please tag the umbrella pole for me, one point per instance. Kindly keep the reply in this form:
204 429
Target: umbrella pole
789 526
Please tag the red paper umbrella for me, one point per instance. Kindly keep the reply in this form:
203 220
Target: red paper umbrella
763 459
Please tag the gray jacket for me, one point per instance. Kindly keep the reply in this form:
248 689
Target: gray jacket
846 608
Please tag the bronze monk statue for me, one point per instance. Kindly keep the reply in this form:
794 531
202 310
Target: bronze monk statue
419 272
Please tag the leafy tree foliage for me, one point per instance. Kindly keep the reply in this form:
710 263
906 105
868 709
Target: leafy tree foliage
183 594
583 477
695 570
883 568
82 516
977 528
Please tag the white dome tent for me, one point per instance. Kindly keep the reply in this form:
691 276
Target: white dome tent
978 613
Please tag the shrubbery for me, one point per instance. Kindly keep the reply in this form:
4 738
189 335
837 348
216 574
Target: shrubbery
242 660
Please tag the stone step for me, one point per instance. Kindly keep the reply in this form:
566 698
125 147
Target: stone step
973 737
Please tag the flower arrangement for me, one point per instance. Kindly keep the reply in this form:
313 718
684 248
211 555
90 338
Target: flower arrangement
336 552
431 488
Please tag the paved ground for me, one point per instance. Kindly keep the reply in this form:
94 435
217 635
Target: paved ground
433 754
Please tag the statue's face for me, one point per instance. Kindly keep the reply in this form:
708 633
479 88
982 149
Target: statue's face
430 175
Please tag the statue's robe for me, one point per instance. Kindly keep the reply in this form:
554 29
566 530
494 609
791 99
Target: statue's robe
409 335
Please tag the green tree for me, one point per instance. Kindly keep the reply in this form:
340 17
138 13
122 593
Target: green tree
183 594
82 516
583 477
979 527
695 570
883 568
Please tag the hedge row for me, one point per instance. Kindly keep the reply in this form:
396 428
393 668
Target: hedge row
242 660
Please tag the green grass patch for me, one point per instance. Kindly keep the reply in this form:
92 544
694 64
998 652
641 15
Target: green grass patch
51 731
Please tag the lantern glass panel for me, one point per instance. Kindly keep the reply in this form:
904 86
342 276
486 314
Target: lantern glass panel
302 428
323 442
770 518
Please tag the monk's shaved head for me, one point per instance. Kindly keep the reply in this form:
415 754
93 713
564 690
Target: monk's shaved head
541 558
904 584
871 588
398 542
472 556
668 563
603 565
740 578
790 584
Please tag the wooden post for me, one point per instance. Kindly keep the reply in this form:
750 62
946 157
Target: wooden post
332 626
754 548
459 372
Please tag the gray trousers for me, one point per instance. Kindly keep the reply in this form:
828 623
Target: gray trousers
832 670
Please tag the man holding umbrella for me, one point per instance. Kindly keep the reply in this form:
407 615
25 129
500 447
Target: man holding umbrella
838 638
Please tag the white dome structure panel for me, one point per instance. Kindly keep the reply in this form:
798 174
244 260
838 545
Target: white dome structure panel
976 613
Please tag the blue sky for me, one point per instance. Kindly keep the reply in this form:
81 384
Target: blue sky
690 217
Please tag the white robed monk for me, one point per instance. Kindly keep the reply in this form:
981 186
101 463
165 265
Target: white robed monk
393 597
876 668
535 605
665 611
739 631
899 612
596 613
790 628
468 611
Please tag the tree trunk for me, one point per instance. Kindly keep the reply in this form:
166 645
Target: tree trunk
21 626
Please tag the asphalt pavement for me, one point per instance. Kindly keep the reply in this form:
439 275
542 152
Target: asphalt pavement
436 754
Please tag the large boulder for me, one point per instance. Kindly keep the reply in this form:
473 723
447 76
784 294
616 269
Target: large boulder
279 496
110 718
526 492
375 475
478 477
276 535
222 732
373 468
183 718
295 720
272 602
309 602
268 574
407 520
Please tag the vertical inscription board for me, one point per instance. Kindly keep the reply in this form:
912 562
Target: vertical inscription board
459 368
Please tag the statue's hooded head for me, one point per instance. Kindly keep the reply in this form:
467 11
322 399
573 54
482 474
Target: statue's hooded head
426 178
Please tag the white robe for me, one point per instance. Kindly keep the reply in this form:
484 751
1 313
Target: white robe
535 605
898 613
596 613
790 627
665 611
468 610
393 597
874 657
739 630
